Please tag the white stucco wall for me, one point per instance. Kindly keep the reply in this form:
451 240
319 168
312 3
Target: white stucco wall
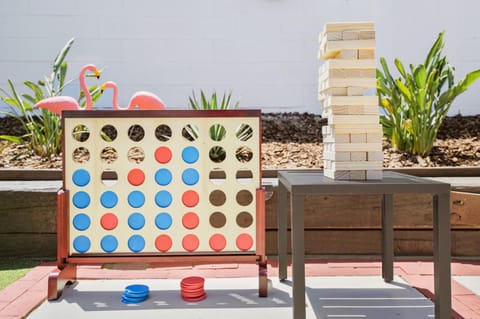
265 51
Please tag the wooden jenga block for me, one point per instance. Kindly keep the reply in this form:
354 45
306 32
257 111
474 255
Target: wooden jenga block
337 156
351 100
356 90
332 49
343 26
338 175
373 137
375 155
348 64
358 175
353 119
338 138
346 54
358 138
358 156
358 128
332 92
350 110
354 165
350 35
366 54
366 34
327 83
355 147
374 174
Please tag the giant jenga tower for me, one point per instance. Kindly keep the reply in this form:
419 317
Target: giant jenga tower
352 140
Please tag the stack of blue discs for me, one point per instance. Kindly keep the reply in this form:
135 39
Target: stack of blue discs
135 294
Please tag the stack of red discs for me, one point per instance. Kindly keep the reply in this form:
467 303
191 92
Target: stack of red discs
191 289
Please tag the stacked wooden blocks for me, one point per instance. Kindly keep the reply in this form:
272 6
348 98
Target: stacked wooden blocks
352 140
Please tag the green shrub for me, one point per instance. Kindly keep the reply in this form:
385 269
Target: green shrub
416 103
43 127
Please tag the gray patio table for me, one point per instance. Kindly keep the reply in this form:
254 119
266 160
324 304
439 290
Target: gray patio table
312 182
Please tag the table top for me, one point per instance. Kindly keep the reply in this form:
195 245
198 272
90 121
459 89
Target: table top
314 182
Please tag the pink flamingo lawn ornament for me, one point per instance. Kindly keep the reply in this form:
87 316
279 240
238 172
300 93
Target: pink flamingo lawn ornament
57 104
141 100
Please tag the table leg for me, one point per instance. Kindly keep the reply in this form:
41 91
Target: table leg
282 231
441 255
387 237
298 256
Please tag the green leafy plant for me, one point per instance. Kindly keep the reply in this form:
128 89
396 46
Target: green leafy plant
42 127
416 103
218 131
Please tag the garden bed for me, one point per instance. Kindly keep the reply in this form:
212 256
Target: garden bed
294 140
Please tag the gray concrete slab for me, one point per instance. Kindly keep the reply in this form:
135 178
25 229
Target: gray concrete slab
237 298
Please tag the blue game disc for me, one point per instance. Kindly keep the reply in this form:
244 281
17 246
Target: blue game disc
81 177
81 199
163 199
190 154
136 199
109 199
109 243
81 244
163 177
81 221
129 300
163 221
190 176
137 289
136 243
136 221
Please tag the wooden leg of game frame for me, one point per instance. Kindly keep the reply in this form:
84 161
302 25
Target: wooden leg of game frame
59 278
262 279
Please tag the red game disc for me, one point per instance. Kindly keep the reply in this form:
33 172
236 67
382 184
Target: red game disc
136 177
199 298
217 242
190 242
244 242
109 221
190 220
192 281
163 243
163 154
190 198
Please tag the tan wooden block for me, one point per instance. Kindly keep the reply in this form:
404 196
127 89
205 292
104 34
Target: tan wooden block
355 147
358 156
358 138
332 46
350 73
356 90
348 64
375 156
337 156
330 36
338 138
350 35
334 92
374 137
351 100
358 175
350 110
343 26
327 164
326 130
337 175
346 54
366 54
366 34
355 165
358 128
353 119
328 83
374 174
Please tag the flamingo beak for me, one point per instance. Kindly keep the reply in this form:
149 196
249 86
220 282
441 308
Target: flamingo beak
97 74
102 88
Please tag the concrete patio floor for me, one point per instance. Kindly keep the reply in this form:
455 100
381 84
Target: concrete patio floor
336 288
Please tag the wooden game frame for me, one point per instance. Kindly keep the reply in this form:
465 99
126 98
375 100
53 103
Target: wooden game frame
67 261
